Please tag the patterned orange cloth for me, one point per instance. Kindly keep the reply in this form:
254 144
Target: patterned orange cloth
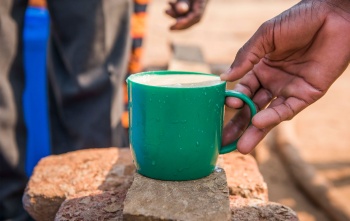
38 3
138 29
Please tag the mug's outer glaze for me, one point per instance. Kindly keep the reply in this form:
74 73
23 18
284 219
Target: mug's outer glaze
175 133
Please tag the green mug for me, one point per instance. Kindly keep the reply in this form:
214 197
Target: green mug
175 132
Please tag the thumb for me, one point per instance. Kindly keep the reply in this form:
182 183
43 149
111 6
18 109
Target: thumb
260 44
182 6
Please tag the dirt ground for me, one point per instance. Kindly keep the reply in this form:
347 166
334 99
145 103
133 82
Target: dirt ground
322 129
281 186
324 136
225 27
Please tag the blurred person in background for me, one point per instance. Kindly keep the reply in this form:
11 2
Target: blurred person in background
88 55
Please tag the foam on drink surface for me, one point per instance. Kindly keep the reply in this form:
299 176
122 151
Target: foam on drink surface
178 80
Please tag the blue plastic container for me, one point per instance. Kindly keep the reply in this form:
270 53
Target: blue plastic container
35 99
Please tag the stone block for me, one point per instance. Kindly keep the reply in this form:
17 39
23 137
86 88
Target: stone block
58 177
188 58
243 176
204 199
92 185
93 205
259 210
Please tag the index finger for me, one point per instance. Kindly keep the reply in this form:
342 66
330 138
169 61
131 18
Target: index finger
186 21
250 54
248 85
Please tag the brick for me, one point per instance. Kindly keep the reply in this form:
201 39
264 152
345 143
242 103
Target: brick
58 177
243 176
204 199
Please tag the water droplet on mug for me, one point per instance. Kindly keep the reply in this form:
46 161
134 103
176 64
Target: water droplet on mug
153 163
197 144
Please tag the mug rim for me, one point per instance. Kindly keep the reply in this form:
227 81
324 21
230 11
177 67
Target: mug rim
164 72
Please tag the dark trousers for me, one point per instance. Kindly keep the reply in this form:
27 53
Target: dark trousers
87 61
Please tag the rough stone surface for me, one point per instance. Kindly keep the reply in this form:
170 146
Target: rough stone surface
91 206
259 210
58 177
92 185
243 176
204 199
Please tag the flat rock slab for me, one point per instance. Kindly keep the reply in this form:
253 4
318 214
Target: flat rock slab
92 206
259 210
204 199
243 176
58 177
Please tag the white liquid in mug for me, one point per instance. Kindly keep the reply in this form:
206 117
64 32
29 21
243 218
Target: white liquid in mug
178 80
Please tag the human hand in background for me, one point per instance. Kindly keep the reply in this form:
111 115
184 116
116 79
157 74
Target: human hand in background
288 64
186 13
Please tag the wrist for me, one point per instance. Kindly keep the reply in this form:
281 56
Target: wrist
339 5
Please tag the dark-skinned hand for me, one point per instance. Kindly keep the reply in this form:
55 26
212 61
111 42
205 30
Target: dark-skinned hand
288 64
186 13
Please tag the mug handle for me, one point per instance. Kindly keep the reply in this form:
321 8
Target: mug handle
233 146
